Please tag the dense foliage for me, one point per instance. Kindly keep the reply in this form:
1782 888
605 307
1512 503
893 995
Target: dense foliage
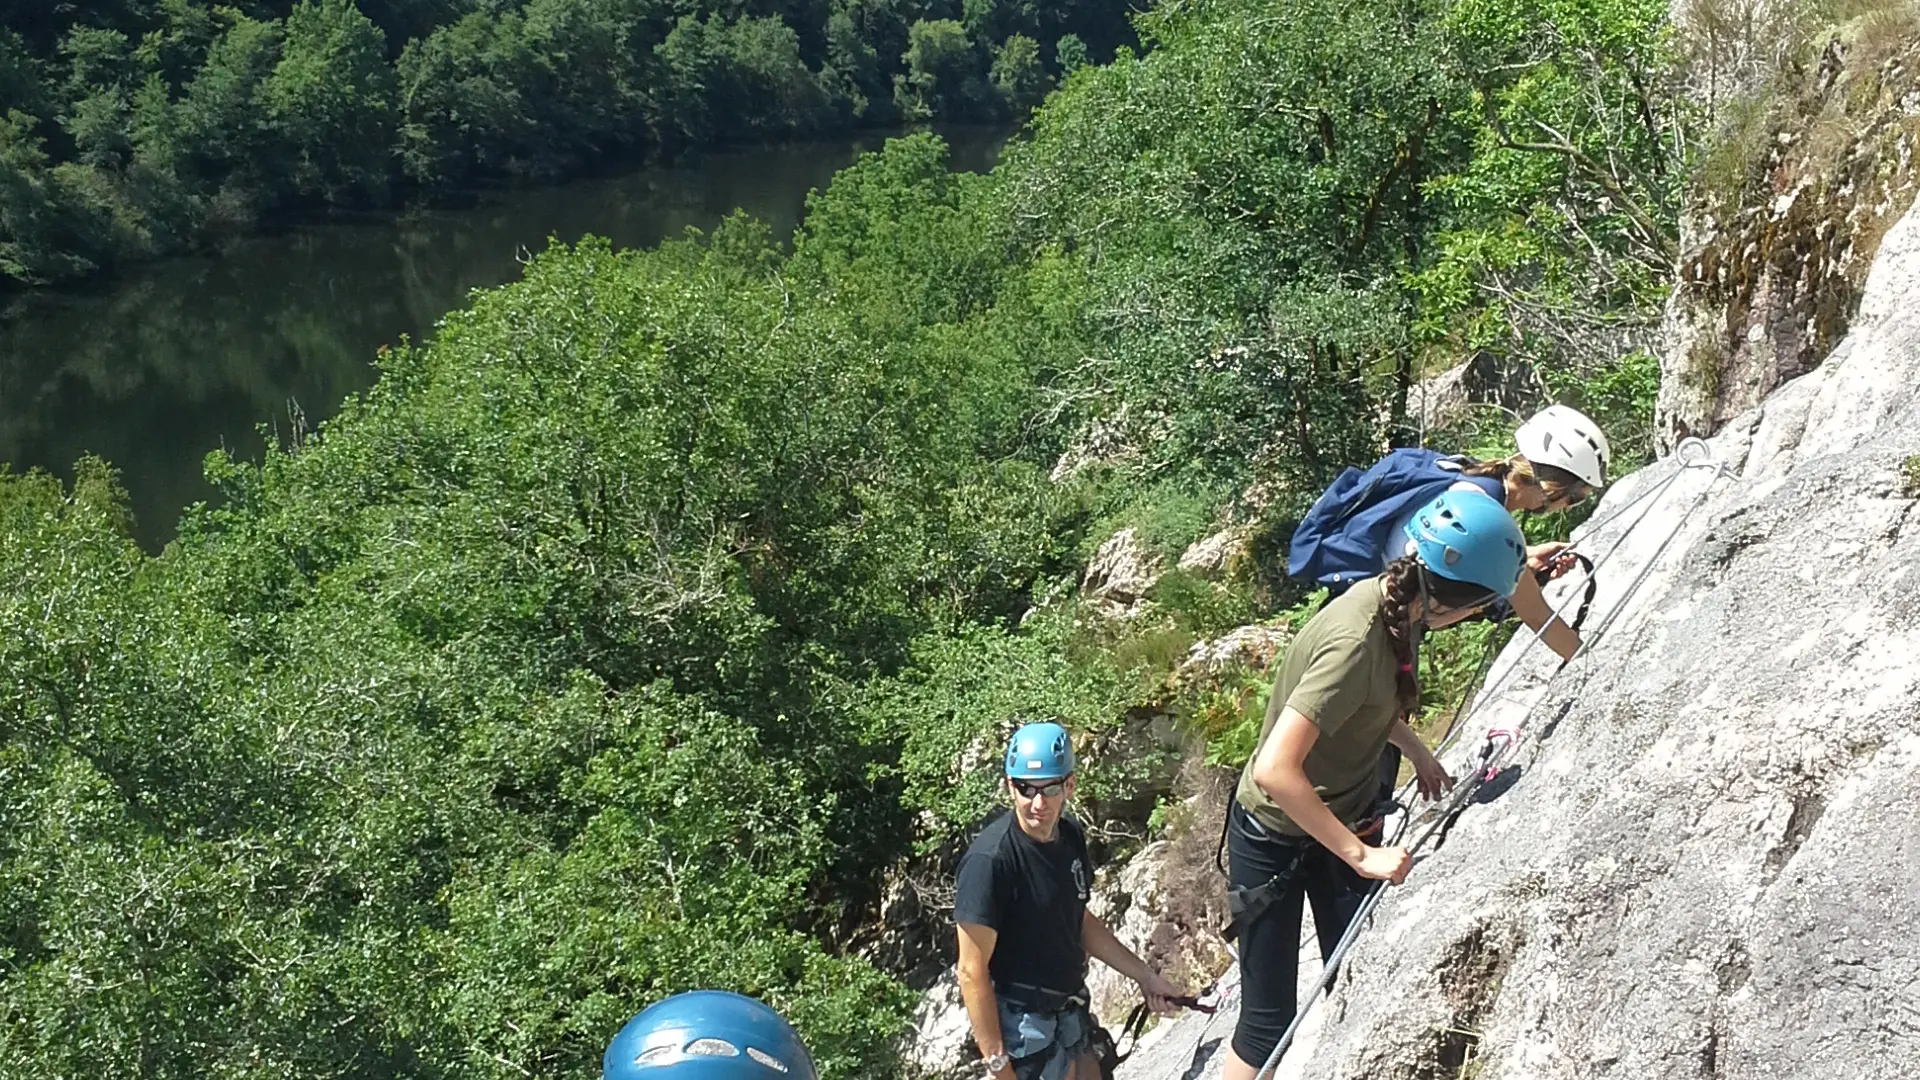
147 126
632 630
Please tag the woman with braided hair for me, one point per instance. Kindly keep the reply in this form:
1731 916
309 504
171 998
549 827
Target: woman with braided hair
1358 525
1301 829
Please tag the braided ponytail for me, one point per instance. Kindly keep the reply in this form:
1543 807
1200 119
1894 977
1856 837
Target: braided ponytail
1397 594
1407 580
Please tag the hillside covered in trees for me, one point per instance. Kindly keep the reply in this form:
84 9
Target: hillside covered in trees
631 634
139 127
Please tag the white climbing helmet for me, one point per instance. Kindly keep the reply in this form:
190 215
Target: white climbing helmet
1566 439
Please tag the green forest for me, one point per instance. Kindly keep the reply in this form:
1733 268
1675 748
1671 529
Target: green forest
632 633
133 128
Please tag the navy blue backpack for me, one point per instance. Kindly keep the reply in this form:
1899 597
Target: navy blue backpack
1344 537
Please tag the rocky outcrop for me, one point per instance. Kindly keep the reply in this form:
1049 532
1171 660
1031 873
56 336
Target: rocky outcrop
1448 400
1165 904
1121 573
1248 648
1218 554
1115 440
1706 860
940 1042
1809 172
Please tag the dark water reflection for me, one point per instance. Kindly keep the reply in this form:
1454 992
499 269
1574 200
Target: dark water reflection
181 357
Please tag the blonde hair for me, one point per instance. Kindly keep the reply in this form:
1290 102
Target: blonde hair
1556 483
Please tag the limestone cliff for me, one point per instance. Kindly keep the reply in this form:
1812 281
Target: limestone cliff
1709 864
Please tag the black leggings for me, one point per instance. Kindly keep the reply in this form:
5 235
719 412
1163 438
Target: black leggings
1270 942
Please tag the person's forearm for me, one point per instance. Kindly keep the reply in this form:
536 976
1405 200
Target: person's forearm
1110 950
1561 638
983 1011
1403 737
1531 605
1293 793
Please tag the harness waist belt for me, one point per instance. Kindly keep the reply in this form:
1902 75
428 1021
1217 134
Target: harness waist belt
1041 998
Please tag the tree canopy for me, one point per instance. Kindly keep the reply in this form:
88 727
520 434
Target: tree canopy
634 629
145 127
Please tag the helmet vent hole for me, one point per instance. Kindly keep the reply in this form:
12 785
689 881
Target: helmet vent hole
767 1059
1452 556
712 1048
658 1055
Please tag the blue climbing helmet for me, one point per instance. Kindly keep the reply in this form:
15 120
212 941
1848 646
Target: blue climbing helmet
1466 536
707 1035
1040 751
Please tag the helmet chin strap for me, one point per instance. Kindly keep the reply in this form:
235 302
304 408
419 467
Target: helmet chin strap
1418 627
1426 601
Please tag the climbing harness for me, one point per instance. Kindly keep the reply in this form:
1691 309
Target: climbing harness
1587 592
1226 998
1136 1024
1483 774
1495 749
1045 999
1590 590
1246 905
1493 739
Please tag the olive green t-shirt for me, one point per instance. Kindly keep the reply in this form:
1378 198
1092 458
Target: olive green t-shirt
1339 673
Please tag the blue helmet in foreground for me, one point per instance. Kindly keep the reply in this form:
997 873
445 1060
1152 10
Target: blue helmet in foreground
1467 536
1040 751
707 1035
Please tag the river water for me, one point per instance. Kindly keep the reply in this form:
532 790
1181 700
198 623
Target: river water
177 358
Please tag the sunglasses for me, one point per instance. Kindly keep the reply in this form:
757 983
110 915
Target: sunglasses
1048 788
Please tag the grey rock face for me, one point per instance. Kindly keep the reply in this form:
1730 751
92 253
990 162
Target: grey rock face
1707 864
1121 574
1215 554
1449 398
941 1039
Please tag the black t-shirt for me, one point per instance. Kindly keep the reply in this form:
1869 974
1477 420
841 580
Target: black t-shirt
1034 895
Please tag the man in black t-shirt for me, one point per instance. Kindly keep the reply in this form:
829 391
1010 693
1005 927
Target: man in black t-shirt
1020 905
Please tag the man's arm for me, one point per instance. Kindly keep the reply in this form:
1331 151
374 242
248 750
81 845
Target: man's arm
1111 951
976 990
